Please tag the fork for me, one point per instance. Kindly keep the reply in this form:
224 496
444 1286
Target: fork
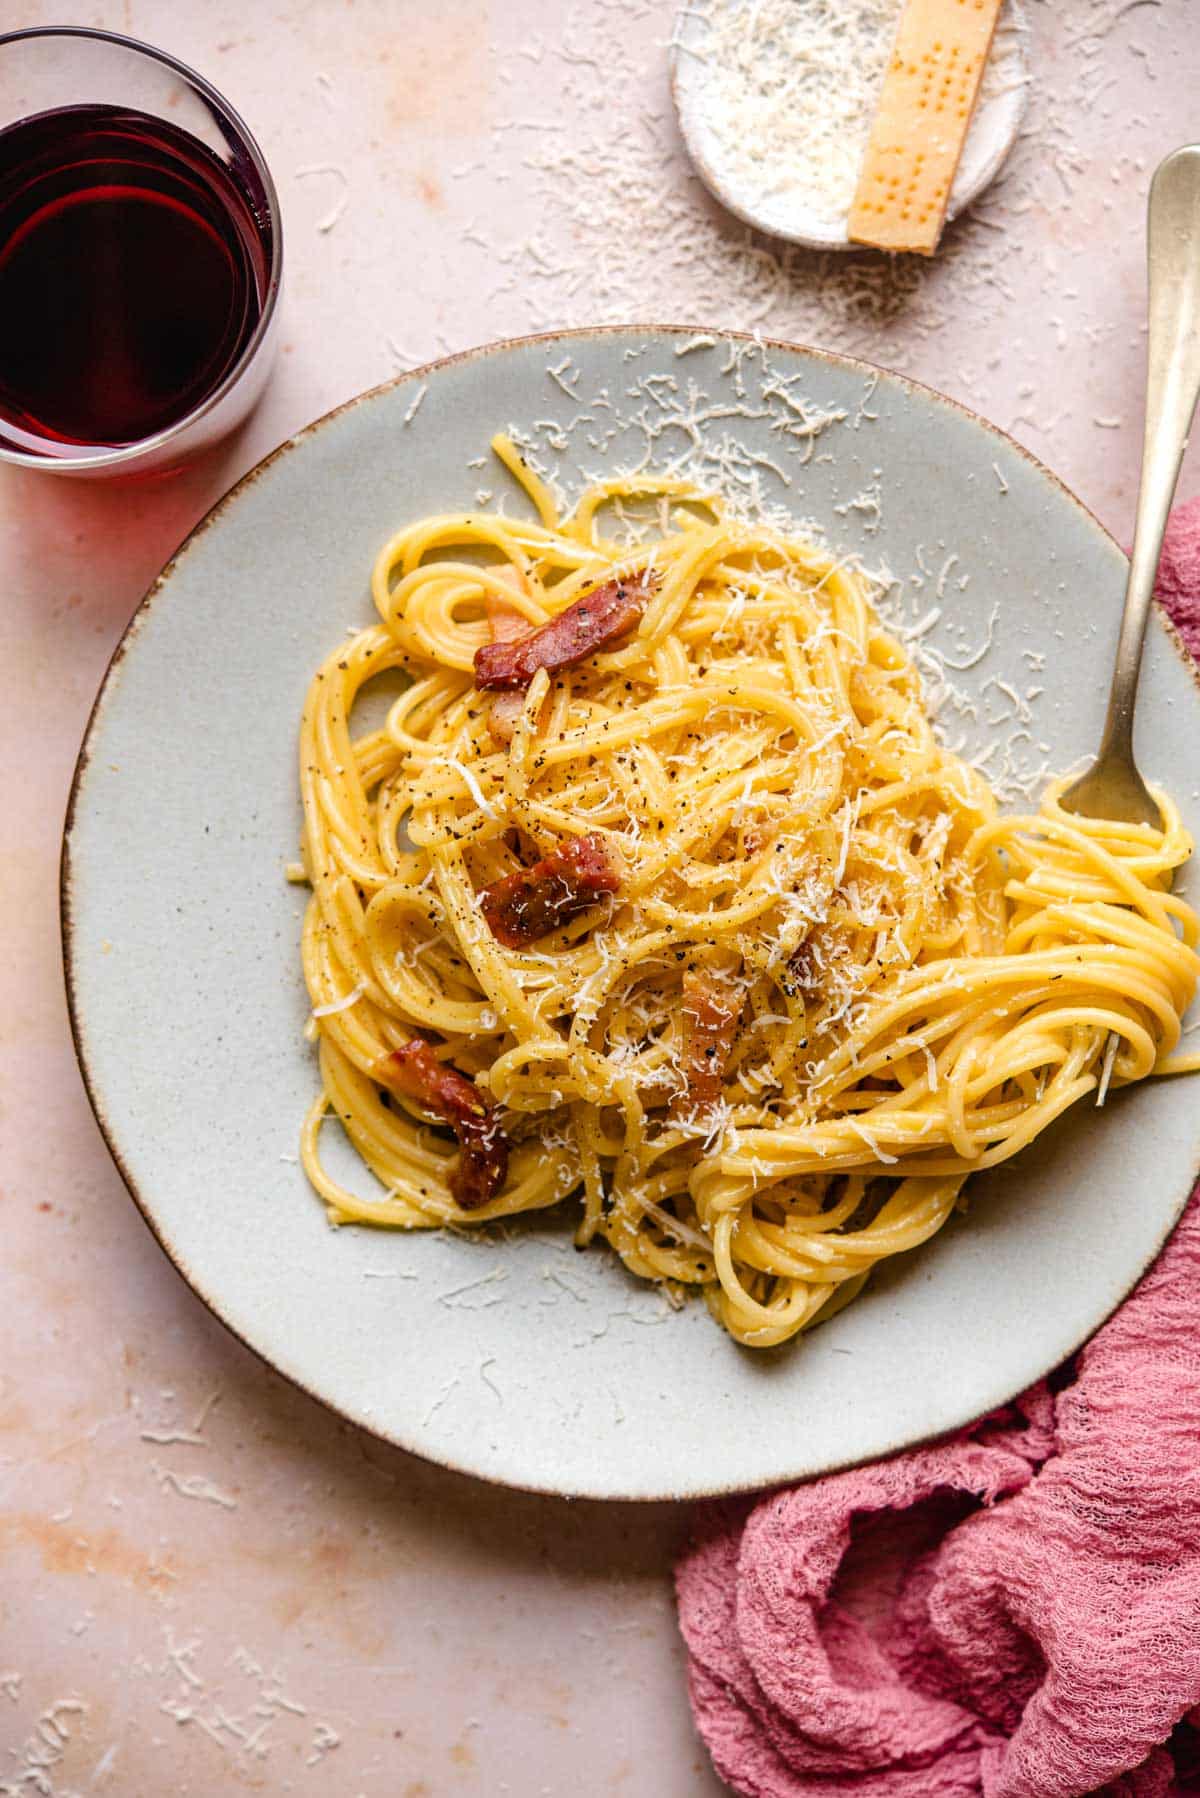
1112 786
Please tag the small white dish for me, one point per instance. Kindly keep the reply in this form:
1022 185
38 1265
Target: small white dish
780 195
506 1354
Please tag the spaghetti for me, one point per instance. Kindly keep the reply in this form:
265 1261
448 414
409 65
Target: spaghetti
817 980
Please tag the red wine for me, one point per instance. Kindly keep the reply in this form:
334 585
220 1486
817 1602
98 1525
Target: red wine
133 271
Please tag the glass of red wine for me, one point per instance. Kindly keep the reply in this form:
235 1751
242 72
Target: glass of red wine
140 256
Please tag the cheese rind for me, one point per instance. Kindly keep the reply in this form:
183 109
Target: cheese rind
921 123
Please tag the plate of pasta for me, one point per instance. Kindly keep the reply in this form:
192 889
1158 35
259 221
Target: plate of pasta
571 935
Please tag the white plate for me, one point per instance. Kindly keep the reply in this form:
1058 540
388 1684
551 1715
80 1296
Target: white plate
520 1360
712 139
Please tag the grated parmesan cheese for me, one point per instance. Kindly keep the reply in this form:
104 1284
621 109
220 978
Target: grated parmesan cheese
1110 1053
344 1004
470 782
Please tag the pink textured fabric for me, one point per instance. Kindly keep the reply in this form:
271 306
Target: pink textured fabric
1013 1613
1178 582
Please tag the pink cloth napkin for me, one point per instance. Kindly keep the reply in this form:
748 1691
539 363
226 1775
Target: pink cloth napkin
1011 1613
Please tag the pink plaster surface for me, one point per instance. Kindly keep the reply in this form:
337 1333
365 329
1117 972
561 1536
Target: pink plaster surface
208 1583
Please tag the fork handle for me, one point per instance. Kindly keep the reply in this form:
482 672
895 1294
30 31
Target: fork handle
1172 387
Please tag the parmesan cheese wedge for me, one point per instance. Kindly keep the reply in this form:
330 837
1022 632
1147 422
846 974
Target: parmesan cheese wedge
921 123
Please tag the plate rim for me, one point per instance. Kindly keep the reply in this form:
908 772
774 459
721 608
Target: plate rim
68 922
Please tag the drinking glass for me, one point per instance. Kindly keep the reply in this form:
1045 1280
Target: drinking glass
141 254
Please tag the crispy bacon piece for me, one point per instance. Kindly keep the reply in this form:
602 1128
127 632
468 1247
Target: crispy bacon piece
506 625
504 717
414 1072
522 907
595 620
711 1011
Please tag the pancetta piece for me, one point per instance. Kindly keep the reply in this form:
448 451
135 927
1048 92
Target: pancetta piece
595 620
414 1072
711 1011
527 905
506 625
800 974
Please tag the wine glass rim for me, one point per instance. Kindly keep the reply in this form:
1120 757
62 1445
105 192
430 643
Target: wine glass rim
129 452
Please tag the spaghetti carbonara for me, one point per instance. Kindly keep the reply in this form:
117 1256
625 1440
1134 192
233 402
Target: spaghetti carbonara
657 890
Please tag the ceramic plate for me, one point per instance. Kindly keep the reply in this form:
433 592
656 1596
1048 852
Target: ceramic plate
508 1354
